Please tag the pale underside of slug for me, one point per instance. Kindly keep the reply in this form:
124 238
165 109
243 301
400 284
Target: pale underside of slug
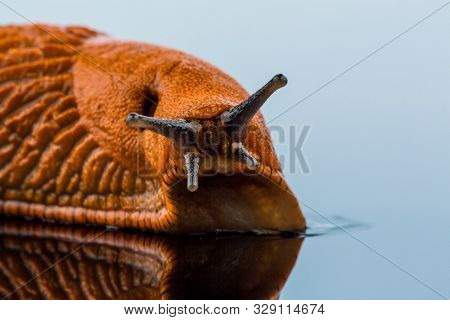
67 155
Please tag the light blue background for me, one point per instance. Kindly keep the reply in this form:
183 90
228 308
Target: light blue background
378 148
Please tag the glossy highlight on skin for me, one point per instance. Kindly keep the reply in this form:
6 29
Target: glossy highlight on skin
67 154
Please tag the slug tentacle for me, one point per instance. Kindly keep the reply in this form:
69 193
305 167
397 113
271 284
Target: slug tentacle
244 156
238 117
192 161
179 130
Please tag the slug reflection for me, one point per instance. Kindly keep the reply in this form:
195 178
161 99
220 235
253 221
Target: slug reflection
132 265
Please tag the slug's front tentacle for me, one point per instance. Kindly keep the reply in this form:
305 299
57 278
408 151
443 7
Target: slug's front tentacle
192 162
238 117
244 156
179 130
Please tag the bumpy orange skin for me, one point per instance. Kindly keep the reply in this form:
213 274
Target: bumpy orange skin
66 153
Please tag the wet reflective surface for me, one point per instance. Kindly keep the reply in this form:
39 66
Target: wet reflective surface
49 261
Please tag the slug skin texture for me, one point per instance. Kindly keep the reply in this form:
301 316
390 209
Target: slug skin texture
82 140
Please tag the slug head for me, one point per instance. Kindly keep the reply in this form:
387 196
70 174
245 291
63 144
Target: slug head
212 145
202 130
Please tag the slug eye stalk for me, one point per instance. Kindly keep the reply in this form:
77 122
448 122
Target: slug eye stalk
180 130
238 117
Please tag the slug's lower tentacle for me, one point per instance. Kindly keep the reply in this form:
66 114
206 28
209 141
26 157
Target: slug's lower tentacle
244 156
192 162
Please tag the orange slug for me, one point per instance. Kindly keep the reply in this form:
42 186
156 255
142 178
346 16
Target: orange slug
106 132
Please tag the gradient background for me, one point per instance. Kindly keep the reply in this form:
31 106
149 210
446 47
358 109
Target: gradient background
378 148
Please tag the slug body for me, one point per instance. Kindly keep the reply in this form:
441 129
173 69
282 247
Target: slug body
68 155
